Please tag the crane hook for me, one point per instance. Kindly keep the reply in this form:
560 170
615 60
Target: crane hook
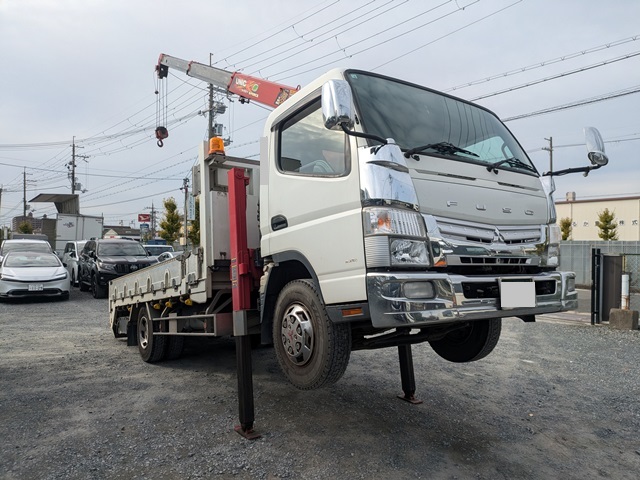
161 134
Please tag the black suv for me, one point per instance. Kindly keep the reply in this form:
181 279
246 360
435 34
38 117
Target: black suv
105 259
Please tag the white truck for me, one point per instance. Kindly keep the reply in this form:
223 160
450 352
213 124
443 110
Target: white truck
381 213
67 227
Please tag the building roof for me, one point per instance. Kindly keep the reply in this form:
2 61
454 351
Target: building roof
600 199
65 203
122 230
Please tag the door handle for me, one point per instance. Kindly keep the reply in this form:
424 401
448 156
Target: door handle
279 222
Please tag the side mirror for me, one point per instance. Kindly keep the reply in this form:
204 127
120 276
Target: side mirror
596 155
336 105
595 147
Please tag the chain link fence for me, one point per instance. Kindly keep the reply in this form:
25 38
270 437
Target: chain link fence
575 256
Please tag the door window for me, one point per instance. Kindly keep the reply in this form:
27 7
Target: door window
306 147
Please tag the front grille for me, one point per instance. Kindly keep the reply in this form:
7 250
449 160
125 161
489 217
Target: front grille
493 260
487 234
492 290
124 268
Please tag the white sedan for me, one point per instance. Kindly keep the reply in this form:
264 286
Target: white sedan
33 274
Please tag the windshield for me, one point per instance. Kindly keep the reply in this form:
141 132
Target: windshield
416 117
31 259
25 247
133 249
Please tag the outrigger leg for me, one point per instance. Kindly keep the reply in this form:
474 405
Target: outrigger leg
407 375
245 388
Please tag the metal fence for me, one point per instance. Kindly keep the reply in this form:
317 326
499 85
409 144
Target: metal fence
576 256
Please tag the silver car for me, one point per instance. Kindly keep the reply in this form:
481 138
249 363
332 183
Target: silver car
33 274
71 257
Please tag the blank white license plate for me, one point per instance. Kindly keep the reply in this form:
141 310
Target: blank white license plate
36 287
515 294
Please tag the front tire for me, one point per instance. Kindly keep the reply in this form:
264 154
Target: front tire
151 347
311 350
97 290
471 343
81 284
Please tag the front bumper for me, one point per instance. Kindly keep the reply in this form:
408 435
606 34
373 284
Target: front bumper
461 298
16 289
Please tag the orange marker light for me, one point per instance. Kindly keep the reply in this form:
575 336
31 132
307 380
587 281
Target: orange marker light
216 145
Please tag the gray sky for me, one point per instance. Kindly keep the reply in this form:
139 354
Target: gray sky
85 69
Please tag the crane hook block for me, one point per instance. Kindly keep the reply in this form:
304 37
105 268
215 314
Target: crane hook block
161 134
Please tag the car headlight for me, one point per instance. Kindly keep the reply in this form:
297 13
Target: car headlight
107 266
395 237
61 276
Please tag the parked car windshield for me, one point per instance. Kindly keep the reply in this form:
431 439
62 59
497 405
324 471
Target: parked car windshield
133 249
158 249
25 247
31 259
417 117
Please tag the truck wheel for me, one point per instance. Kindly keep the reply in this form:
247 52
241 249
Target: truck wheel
152 347
311 349
97 290
175 347
473 342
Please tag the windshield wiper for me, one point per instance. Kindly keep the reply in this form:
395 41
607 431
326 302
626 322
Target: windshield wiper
512 162
440 147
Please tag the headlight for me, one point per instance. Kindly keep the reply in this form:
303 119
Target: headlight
61 276
395 237
551 258
407 252
107 266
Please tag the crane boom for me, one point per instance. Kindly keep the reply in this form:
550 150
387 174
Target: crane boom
246 87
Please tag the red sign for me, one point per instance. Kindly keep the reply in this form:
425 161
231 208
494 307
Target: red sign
144 217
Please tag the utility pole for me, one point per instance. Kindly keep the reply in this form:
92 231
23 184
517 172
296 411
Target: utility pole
210 102
185 187
24 192
153 220
550 150
72 164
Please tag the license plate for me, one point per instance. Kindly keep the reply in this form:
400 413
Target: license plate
36 287
517 294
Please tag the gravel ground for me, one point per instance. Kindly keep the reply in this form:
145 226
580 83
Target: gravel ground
554 400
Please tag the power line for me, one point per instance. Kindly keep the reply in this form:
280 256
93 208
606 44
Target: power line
545 63
396 25
447 35
560 75
578 103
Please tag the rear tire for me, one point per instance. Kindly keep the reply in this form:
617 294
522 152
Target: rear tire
175 347
471 343
311 349
151 347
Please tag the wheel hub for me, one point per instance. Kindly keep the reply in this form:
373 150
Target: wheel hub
297 334
143 334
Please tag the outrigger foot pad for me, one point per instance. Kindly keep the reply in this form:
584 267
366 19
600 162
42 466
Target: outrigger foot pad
248 433
410 398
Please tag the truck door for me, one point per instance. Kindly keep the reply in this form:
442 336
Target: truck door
314 208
